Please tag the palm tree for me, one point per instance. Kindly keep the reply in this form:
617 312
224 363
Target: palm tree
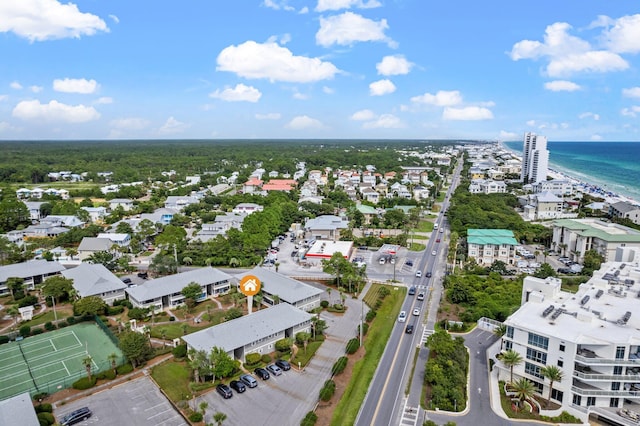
500 330
523 389
554 374
113 357
511 358
203 407
258 299
163 335
219 418
187 260
329 293
87 365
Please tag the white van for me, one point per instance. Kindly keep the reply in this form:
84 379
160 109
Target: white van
435 226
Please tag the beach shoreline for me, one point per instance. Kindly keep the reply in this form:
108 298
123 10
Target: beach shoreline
592 188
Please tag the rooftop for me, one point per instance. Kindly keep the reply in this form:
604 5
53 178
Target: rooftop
287 289
605 231
491 236
164 286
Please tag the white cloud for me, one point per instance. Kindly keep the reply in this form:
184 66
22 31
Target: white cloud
567 54
36 89
328 90
115 19
596 137
349 28
4 98
584 115
131 123
508 136
324 5
172 126
38 20
394 65
104 100
278 5
384 121
631 111
240 93
623 36
268 116
55 111
300 96
531 123
381 87
274 63
363 115
631 92
75 85
561 86
442 98
15 85
304 122
467 113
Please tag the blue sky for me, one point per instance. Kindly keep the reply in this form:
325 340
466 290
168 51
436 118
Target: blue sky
384 69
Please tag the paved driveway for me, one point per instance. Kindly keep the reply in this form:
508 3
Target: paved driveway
138 402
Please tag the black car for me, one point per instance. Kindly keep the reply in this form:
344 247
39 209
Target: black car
238 386
143 275
428 275
126 280
76 416
409 329
224 390
262 373
412 291
284 365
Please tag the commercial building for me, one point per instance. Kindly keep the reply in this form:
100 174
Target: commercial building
535 158
591 336
488 245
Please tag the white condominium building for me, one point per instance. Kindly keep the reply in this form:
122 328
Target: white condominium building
592 336
535 158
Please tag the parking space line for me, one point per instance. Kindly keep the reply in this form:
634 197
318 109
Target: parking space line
155 406
158 413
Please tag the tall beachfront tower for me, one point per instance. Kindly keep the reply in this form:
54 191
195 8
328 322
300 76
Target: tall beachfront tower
535 158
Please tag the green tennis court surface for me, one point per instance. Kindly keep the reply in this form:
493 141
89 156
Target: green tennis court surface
52 361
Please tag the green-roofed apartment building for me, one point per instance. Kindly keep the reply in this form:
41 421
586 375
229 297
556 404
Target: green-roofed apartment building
488 245
574 237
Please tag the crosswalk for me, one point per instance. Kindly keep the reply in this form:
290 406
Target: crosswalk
425 334
410 415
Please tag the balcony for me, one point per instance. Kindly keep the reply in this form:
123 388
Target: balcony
607 377
603 392
588 357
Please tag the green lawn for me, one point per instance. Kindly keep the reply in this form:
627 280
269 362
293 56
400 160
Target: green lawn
63 312
363 370
304 357
417 247
173 330
425 226
173 377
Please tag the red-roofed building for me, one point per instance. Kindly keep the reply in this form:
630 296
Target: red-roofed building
252 185
279 185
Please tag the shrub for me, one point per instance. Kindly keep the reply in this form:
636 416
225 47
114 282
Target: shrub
266 358
352 346
327 390
44 408
71 320
339 365
137 313
370 316
49 326
172 318
63 324
310 419
252 359
124 368
27 301
84 383
41 395
4 339
106 375
123 302
284 345
324 303
179 351
37 331
46 418
25 330
365 328
196 417
115 310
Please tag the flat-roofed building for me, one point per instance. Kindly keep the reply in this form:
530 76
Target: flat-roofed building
255 333
324 249
591 336
166 292
488 245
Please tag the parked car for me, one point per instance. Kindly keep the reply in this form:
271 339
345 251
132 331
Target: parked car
409 262
274 369
76 416
412 291
224 390
249 380
143 274
403 316
262 373
126 280
237 386
284 365
409 329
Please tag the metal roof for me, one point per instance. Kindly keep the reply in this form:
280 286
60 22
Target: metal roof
491 236
93 279
287 289
29 269
171 284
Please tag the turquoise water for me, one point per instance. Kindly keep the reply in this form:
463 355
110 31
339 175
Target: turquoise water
614 166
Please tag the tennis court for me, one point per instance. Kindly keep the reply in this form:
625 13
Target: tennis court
52 361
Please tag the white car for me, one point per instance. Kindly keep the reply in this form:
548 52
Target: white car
433 253
418 274
416 312
403 316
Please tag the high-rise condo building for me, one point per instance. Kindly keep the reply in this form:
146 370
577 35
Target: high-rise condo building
535 158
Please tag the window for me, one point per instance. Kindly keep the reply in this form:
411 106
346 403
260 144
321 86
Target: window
510 332
620 352
577 399
613 402
615 386
557 395
539 341
508 345
591 400
561 347
532 369
617 370
560 363
537 356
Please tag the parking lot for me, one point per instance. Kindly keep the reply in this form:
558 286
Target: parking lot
138 402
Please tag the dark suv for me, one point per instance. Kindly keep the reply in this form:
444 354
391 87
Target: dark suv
76 416
262 373
238 386
224 390
284 365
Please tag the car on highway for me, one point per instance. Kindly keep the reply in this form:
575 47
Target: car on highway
438 240
249 380
284 365
76 416
441 230
418 274
433 253
403 316
421 296
262 373
274 369
416 312
237 386
412 291
224 391
409 329
428 274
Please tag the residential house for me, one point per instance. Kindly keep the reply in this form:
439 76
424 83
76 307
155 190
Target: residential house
91 245
178 203
23 193
326 227
34 208
33 272
96 214
488 245
161 216
121 240
625 210
284 185
252 185
43 230
278 288
255 333
420 193
96 280
68 221
368 212
247 208
559 187
370 195
125 203
221 225
544 205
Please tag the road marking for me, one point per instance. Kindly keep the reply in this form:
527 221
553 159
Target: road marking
409 415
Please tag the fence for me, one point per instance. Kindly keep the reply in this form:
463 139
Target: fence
107 331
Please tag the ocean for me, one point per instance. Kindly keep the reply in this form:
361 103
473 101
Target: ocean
613 166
